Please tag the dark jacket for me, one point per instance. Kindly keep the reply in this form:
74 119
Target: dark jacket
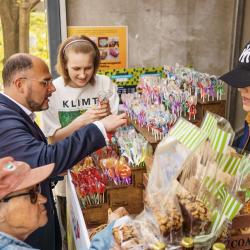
24 141
242 143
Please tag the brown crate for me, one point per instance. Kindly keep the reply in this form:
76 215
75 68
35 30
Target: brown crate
95 215
137 177
126 196
240 241
129 197
216 107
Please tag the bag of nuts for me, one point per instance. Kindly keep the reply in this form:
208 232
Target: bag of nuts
138 233
196 215
167 214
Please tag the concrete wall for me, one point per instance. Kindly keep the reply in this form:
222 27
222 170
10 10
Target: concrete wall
188 32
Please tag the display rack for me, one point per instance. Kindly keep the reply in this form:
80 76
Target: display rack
217 107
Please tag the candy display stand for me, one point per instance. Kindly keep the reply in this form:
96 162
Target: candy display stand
146 134
80 220
217 107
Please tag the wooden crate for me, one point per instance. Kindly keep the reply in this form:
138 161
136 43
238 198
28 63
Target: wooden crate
129 197
240 241
126 196
216 107
95 215
137 177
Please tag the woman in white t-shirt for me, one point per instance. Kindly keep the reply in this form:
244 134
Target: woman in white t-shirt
75 102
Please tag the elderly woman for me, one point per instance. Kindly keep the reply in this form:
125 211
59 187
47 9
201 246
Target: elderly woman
22 209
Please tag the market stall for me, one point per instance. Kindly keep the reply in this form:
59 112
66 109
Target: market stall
194 185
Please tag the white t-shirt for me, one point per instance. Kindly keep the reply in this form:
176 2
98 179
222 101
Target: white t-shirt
67 103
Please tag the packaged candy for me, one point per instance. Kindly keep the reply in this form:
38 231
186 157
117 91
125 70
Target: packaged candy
197 215
168 217
116 170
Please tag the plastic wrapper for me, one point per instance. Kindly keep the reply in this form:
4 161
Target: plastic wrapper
89 182
133 146
169 158
167 214
117 171
215 126
112 216
243 175
197 217
139 233
195 168
225 232
116 214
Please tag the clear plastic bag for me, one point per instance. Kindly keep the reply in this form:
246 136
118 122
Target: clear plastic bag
167 215
139 233
167 164
197 216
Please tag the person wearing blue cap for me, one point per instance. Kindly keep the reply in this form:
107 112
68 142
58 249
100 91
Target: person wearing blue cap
239 78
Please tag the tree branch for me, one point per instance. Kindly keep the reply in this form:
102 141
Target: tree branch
33 3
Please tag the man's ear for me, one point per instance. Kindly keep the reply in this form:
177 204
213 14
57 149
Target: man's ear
19 84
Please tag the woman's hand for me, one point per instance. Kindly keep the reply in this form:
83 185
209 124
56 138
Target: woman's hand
95 113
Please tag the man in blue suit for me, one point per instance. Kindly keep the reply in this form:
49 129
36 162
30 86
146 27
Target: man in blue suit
27 87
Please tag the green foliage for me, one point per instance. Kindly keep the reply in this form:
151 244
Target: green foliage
38 31
38 38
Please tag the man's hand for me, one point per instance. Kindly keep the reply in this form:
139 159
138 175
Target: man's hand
112 122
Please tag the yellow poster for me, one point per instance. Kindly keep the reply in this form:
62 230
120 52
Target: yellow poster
111 41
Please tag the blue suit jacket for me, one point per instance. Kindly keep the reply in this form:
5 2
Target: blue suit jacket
23 140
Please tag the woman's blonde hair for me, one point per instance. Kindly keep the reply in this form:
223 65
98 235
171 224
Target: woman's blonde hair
78 44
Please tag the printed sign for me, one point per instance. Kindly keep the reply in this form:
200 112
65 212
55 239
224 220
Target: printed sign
111 41
78 227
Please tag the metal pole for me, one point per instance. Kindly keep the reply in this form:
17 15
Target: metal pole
54 31
235 48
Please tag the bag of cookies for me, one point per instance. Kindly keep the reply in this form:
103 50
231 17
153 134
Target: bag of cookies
138 233
127 237
149 231
165 210
196 215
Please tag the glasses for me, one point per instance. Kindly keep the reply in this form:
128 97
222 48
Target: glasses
33 193
45 83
